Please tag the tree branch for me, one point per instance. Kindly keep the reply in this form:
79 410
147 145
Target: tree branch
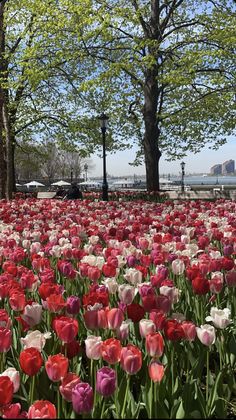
42 118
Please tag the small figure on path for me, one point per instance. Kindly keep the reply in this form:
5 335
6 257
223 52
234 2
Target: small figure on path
60 193
74 193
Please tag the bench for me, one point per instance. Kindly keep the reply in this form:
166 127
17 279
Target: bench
46 194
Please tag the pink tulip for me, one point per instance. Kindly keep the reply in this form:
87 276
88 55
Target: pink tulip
131 359
146 326
189 330
206 334
93 347
67 385
156 371
114 318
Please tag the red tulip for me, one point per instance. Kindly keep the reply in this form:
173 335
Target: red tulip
42 409
55 303
66 328
230 278
46 289
30 361
135 312
6 390
5 339
72 349
173 330
5 320
109 270
17 300
200 286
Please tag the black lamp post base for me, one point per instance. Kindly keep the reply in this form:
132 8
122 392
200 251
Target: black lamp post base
105 193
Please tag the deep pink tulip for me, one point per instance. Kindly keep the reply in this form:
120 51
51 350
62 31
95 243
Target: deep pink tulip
5 339
131 359
115 317
82 398
56 367
154 344
73 305
106 381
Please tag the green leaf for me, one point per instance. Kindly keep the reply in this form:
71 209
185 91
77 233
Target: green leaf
213 394
180 414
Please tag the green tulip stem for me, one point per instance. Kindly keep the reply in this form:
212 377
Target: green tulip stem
2 362
172 368
156 385
126 396
31 391
152 400
207 377
58 404
91 372
103 408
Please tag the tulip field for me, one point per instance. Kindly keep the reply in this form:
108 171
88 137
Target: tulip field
119 309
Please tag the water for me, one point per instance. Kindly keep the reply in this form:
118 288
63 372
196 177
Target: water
188 180
206 180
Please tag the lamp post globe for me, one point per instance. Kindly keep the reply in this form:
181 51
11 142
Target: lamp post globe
103 124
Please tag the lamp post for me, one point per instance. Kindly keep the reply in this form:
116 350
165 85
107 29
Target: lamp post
86 171
182 178
71 175
103 124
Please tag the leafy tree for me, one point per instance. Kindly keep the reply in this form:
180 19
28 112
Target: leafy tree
36 103
164 68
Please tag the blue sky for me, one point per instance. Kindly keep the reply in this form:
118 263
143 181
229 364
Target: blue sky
118 164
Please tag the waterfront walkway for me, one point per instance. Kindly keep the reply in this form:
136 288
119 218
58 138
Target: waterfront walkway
203 195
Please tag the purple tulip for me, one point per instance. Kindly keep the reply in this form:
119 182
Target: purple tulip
131 261
106 381
228 250
82 398
73 305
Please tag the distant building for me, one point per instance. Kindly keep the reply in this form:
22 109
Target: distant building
228 167
216 169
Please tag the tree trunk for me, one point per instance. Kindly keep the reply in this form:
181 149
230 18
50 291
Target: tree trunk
13 163
152 153
2 140
9 157
3 171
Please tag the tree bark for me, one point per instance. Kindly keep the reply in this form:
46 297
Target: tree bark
152 106
6 166
2 152
9 157
152 153
2 139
